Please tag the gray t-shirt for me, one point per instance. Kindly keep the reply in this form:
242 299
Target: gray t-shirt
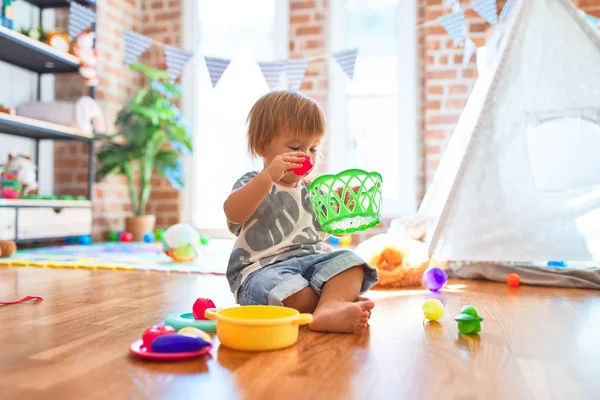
284 226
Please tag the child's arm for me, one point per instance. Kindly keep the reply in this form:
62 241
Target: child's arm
241 204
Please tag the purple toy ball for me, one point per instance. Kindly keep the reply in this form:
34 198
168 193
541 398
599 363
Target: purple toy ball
435 278
436 295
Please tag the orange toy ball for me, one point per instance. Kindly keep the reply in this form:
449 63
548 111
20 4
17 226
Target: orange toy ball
513 280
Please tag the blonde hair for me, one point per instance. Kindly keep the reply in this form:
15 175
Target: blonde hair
279 111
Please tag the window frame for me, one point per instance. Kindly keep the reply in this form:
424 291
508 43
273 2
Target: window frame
191 30
407 96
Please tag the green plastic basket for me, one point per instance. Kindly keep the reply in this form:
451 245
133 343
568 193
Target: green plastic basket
348 202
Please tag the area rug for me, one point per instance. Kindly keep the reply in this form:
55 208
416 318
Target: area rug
125 256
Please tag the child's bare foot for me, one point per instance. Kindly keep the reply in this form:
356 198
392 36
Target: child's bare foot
342 317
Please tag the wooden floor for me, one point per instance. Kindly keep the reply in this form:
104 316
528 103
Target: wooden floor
536 343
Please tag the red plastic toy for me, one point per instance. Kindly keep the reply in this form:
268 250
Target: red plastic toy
155 331
513 280
200 306
126 237
306 166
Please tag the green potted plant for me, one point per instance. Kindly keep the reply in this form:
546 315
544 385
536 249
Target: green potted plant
152 136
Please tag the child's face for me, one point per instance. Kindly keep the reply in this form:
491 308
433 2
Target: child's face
289 143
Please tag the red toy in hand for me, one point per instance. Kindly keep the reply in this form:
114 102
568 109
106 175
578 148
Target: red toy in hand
200 306
306 166
155 331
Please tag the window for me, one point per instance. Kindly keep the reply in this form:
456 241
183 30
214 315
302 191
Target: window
373 118
255 32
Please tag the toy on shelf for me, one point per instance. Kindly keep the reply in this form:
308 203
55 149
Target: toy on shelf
180 321
7 14
307 165
348 202
469 321
10 185
433 309
83 48
159 234
7 110
125 237
513 280
70 240
205 240
58 40
435 278
181 243
7 248
162 342
149 237
25 169
400 262
81 198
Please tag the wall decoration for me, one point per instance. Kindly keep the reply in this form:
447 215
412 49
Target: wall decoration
295 70
216 67
272 71
80 19
347 60
135 46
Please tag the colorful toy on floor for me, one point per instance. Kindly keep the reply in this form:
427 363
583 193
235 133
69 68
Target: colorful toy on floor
334 240
469 321
433 309
113 236
149 237
200 306
436 295
196 319
158 234
513 280
196 332
557 264
155 331
161 342
181 242
23 300
70 240
205 240
258 328
348 202
435 278
7 248
126 237
307 165
346 241
85 240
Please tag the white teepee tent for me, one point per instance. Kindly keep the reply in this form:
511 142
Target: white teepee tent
518 184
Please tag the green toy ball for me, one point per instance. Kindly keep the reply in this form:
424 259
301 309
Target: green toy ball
113 236
158 234
80 198
204 240
469 321
66 197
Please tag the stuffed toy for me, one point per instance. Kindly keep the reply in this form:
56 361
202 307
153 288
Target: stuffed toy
83 48
7 248
26 172
400 261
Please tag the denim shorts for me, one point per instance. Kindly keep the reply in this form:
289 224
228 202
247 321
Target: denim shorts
274 283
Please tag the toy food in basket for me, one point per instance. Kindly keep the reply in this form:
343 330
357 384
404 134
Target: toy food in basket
400 261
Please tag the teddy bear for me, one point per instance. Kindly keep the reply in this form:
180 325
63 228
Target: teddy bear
83 48
7 248
26 172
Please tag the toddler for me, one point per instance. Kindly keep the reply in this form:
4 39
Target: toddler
280 257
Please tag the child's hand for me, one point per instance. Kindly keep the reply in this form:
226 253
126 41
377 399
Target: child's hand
347 197
284 163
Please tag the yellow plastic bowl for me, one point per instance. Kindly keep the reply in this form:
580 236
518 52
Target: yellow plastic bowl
257 328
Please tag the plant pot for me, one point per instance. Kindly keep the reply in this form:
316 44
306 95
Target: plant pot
138 226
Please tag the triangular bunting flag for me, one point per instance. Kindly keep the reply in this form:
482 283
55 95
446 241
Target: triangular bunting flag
593 21
271 71
508 6
135 45
454 24
80 18
216 67
347 60
468 51
487 9
295 70
176 59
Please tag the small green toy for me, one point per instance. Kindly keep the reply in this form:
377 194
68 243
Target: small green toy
81 198
204 240
158 234
66 197
113 236
469 321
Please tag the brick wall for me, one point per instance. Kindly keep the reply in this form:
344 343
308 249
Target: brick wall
159 19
